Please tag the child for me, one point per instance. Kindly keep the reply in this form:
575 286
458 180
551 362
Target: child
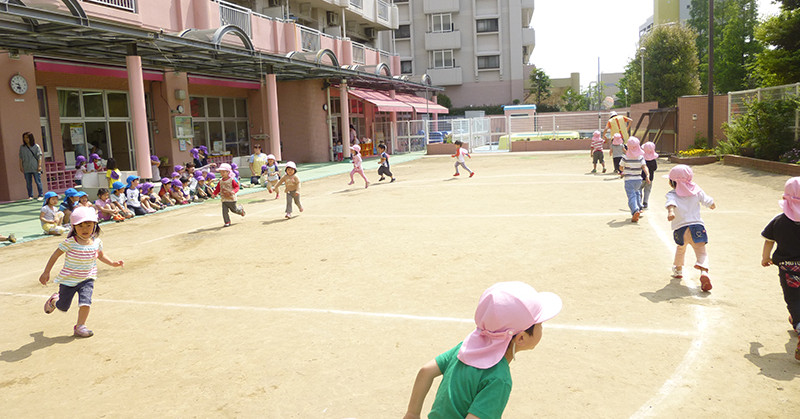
340 151
155 163
200 190
460 153
651 160
163 192
106 211
68 204
273 175
292 189
176 192
83 200
210 178
631 167
179 170
118 199
383 168
617 151
133 199
356 155
149 192
227 187
596 151
95 163
477 377
80 169
683 210
144 198
186 191
51 217
784 229
256 160
200 158
112 173
83 249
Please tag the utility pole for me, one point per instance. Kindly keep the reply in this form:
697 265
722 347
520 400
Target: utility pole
711 73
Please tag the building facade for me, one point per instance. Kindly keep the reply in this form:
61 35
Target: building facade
475 49
127 79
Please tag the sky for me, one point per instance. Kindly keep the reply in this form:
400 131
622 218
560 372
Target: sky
571 35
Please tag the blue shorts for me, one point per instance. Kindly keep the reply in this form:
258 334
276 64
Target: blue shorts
698 232
66 293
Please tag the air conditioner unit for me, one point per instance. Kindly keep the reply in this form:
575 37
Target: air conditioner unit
274 3
332 18
370 32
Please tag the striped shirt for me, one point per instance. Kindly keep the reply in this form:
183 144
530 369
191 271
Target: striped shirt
597 144
632 168
80 261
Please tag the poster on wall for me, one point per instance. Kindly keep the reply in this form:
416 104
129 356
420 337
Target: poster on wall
184 144
76 134
184 129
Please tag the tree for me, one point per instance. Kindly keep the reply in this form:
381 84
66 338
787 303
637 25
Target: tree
574 101
540 85
780 64
670 67
735 45
444 100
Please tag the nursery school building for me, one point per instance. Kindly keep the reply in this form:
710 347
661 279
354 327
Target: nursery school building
134 78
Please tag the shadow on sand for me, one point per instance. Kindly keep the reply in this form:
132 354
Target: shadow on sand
39 342
779 366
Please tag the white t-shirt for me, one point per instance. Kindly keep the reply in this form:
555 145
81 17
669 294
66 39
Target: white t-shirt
133 198
49 213
687 208
460 154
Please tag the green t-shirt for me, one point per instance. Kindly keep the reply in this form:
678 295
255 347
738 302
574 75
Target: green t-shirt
465 389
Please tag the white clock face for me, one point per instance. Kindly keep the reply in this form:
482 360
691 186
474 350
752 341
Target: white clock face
18 84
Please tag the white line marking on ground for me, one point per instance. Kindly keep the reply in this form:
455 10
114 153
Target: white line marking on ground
550 324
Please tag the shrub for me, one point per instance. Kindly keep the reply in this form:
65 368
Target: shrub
766 126
696 152
791 156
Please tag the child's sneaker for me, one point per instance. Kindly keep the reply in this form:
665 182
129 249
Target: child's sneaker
351 182
50 304
604 170
381 179
300 207
593 171
392 180
226 225
705 281
677 272
635 217
457 174
472 174
288 215
243 213
366 185
13 239
82 331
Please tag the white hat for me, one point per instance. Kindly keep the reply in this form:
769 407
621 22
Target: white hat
291 164
356 148
224 166
270 157
613 113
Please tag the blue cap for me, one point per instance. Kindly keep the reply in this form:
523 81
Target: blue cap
70 192
117 185
81 193
49 195
131 178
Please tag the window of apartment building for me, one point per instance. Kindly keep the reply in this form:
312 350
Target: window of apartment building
488 62
220 123
401 1
442 58
406 67
441 22
402 32
486 25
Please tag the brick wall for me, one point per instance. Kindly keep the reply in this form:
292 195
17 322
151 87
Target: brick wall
693 119
765 165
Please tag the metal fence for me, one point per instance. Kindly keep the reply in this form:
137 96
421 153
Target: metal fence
738 102
233 14
129 5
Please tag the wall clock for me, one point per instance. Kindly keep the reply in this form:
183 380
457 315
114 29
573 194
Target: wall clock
18 84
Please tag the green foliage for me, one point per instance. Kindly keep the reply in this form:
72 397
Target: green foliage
766 127
574 101
780 64
700 141
488 109
444 100
540 85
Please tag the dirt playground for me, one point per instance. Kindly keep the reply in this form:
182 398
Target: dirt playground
331 314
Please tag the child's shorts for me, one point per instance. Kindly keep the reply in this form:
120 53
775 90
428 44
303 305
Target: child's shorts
698 232
597 156
66 292
49 227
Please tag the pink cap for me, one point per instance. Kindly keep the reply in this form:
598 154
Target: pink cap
682 176
83 214
617 139
634 150
791 199
504 310
595 135
224 166
649 150
356 148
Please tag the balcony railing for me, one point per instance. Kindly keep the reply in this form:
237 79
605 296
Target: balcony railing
358 4
358 54
383 10
233 14
129 5
309 39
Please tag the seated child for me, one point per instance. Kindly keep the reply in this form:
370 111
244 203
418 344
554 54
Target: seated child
83 200
200 190
106 211
144 197
51 217
163 193
210 184
133 199
118 199
187 194
176 192
151 196
68 204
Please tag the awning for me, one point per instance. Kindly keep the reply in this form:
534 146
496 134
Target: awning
383 101
420 104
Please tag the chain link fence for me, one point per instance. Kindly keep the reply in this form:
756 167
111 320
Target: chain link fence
738 102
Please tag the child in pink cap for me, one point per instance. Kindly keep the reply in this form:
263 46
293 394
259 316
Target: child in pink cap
356 149
683 210
617 151
651 160
632 166
596 151
785 230
227 187
477 378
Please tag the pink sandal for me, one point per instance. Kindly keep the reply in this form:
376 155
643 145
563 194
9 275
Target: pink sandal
50 304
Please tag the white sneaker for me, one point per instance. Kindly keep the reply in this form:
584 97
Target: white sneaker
677 272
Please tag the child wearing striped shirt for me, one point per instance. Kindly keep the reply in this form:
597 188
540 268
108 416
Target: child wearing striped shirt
82 248
597 151
632 167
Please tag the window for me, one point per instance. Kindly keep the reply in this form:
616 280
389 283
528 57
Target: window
442 23
443 58
401 1
44 121
221 124
486 25
407 67
403 32
488 61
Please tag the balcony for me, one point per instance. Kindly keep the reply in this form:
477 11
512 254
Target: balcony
232 14
445 76
442 40
440 6
129 5
529 37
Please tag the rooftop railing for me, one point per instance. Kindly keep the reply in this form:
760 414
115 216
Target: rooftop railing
233 14
129 5
309 39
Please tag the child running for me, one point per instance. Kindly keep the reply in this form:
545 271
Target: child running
477 377
83 249
785 231
273 175
597 151
632 166
683 210
460 153
292 188
357 165
617 151
651 160
383 167
228 187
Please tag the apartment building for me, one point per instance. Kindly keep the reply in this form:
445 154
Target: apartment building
475 49
133 78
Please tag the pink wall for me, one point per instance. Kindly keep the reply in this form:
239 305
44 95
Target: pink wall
304 130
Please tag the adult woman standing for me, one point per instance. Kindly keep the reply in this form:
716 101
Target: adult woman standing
30 164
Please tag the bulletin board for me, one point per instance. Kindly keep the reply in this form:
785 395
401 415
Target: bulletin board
183 127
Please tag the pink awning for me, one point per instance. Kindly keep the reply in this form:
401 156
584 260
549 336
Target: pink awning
383 101
420 104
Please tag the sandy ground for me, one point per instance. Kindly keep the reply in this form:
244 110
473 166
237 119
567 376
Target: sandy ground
330 314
